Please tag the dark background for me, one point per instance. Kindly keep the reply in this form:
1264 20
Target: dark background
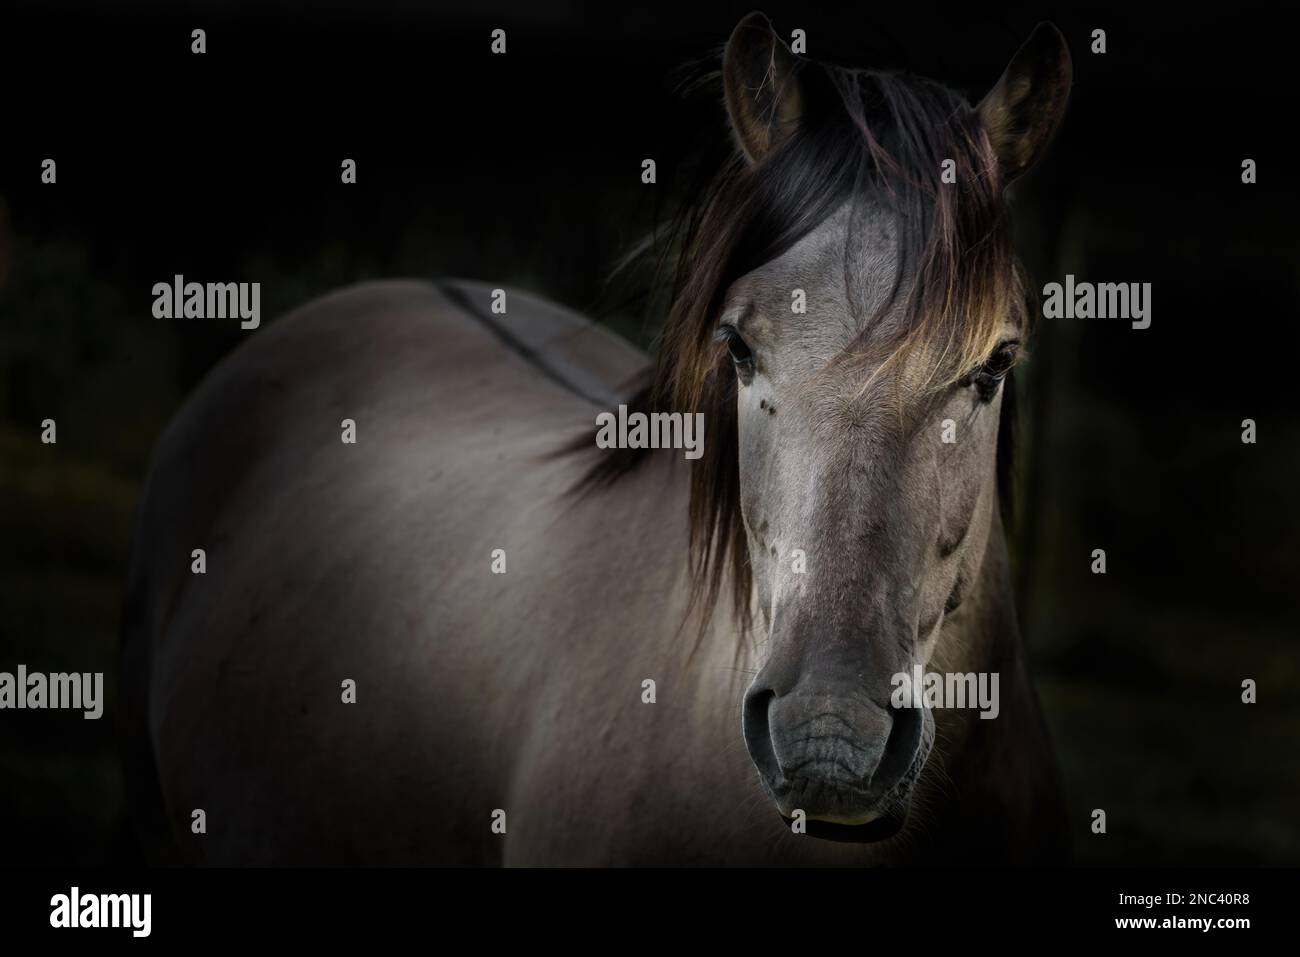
525 170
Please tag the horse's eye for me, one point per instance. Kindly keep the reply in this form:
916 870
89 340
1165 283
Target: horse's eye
741 354
990 375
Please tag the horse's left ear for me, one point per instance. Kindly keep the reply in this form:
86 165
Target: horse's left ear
1022 112
760 82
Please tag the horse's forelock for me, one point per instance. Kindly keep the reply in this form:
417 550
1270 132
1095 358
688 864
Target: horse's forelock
963 279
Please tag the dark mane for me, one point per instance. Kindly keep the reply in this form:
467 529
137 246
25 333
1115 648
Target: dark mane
862 133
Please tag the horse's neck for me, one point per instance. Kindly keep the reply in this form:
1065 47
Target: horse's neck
1027 786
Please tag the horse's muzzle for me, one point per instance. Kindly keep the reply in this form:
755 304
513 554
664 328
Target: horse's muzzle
847 763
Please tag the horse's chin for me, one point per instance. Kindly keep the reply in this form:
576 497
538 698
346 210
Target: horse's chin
875 827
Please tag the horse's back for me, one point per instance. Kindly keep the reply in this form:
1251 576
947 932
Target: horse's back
412 364
329 561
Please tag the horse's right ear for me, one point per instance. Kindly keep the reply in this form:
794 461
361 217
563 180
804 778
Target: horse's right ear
760 82
1023 111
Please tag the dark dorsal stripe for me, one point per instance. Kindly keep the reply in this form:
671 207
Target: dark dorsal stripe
532 356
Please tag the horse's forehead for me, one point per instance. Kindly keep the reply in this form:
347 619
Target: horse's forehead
836 277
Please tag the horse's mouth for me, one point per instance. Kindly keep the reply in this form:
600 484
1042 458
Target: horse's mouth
843 814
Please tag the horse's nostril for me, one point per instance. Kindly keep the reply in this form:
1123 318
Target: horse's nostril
758 733
900 749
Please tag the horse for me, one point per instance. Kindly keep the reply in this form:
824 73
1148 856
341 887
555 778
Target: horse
470 636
